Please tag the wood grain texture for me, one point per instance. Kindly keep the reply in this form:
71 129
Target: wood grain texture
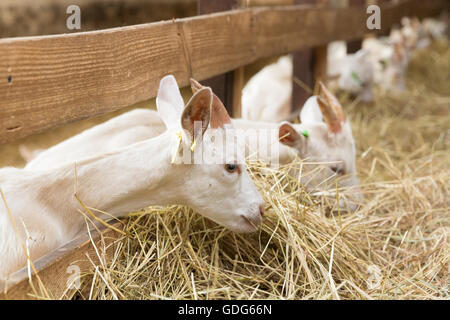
355 45
49 81
320 63
53 267
19 18
57 79
303 73
260 3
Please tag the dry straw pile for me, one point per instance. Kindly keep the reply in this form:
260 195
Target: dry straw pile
395 246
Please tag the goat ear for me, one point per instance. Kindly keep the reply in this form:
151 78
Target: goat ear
196 116
288 135
169 102
310 111
330 117
195 85
332 101
219 114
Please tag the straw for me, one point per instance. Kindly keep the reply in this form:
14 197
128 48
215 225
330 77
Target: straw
394 246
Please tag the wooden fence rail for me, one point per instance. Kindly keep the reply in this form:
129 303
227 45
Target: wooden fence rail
54 267
49 81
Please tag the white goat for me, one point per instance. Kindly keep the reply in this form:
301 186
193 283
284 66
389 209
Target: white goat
413 33
434 28
118 132
43 206
323 139
267 96
323 136
390 59
354 71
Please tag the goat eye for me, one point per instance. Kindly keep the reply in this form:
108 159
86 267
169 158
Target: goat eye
337 170
231 167
383 63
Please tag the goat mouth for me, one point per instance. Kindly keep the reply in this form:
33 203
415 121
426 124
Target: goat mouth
250 223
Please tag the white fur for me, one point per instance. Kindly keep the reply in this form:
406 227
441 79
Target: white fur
103 138
434 28
43 205
355 73
321 146
267 96
134 126
390 58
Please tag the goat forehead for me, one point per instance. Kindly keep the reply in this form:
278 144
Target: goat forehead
362 69
334 146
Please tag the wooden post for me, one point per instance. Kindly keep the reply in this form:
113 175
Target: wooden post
236 91
302 72
310 65
386 32
355 45
320 63
320 53
227 86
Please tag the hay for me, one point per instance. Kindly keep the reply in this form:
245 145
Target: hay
395 246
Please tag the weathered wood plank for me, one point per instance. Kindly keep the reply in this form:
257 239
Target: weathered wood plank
49 81
303 78
355 45
238 85
260 3
19 18
320 63
53 267
57 79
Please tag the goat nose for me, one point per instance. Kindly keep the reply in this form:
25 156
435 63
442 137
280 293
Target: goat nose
261 210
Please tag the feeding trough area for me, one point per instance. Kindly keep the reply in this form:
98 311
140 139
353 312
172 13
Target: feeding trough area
356 208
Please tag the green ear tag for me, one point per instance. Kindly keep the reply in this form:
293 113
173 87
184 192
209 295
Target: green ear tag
305 133
356 78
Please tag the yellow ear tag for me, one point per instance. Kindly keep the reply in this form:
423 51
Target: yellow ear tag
174 156
194 143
